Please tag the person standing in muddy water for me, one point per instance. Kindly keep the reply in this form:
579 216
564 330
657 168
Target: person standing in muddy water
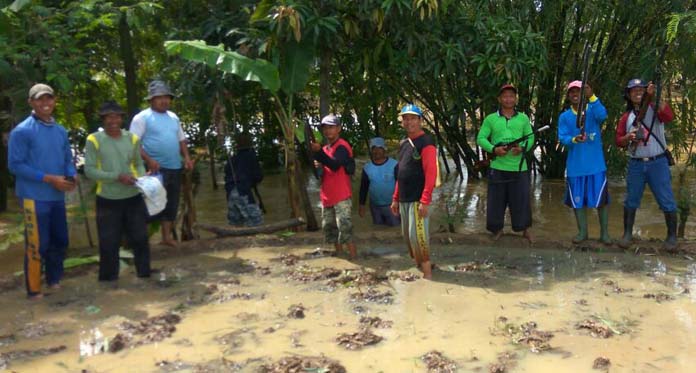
113 160
336 160
242 174
415 181
586 171
163 147
649 160
508 176
40 157
379 180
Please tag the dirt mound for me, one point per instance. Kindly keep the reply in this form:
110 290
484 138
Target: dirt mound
296 311
7 357
311 274
375 322
597 329
153 329
357 341
374 296
301 364
438 363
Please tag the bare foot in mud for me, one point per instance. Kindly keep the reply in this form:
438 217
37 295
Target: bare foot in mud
497 235
55 287
170 243
427 270
35 296
529 236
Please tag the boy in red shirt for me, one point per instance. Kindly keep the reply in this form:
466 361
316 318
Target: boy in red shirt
336 190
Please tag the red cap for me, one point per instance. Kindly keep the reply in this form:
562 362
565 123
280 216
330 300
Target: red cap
507 86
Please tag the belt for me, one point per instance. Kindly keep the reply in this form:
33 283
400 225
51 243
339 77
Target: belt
648 159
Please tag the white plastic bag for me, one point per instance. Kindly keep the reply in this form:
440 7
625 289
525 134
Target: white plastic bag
154 193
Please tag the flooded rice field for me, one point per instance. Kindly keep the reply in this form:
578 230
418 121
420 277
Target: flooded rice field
283 303
269 309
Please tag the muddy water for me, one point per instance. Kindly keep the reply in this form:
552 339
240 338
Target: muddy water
455 314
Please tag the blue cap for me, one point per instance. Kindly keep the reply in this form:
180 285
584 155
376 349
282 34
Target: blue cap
411 109
378 142
636 83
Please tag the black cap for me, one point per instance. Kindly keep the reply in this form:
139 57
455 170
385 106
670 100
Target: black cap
110 107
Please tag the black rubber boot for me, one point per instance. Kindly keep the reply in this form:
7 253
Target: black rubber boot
629 219
671 240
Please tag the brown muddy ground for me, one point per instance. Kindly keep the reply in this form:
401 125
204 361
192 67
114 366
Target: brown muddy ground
233 305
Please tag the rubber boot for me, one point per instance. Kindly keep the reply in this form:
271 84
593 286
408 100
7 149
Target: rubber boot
671 240
603 213
581 219
629 219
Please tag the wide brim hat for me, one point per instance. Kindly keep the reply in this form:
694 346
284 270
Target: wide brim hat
158 88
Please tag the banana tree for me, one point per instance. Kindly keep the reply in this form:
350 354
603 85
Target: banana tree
282 82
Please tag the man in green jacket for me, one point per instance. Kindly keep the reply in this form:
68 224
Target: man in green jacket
508 177
112 159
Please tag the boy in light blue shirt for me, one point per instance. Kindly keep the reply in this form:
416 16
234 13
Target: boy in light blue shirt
378 180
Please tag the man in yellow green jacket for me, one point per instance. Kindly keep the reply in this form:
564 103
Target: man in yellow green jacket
112 159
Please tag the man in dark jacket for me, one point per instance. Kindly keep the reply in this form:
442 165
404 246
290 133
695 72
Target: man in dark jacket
242 174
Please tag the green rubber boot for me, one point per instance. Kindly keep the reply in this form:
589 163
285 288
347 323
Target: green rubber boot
603 213
581 219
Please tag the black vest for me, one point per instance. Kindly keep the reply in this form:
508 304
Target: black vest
410 175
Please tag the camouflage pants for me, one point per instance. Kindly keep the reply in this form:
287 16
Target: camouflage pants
242 213
336 222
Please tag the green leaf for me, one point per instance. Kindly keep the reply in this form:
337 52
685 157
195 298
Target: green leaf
295 66
17 5
248 69
262 10
76 262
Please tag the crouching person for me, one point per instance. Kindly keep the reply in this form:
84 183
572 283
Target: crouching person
112 159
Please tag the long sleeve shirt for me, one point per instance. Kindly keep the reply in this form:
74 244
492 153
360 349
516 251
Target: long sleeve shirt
496 129
584 158
36 149
417 170
649 148
107 157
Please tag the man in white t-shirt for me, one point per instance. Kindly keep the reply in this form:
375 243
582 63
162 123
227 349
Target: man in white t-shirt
164 149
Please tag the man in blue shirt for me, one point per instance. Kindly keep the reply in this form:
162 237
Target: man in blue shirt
164 145
586 171
378 180
41 159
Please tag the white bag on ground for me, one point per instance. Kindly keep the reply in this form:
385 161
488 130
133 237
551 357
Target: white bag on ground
154 193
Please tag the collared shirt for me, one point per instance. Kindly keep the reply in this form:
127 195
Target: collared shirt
107 157
38 148
498 129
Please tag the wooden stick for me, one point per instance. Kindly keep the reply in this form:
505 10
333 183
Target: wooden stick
221 231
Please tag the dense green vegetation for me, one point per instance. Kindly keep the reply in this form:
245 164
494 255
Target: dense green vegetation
269 66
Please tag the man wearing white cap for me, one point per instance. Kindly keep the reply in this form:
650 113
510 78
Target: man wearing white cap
41 159
164 146
586 171
379 180
336 159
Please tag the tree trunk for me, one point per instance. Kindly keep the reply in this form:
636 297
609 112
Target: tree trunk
129 67
325 83
5 126
213 170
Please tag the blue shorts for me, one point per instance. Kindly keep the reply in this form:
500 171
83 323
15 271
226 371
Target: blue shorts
587 191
